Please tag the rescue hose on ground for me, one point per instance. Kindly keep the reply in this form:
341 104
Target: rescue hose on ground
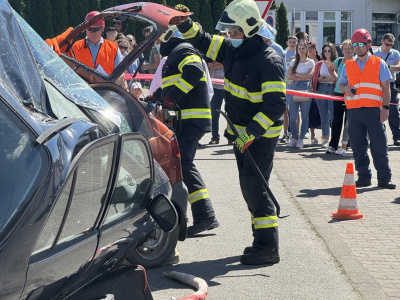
256 168
196 282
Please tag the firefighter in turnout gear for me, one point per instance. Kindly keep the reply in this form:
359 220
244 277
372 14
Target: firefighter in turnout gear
184 88
255 92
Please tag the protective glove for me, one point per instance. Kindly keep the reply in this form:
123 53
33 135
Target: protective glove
243 141
168 102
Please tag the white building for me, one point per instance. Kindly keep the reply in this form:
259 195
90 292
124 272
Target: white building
335 21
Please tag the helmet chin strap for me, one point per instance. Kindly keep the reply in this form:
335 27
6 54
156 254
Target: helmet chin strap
362 55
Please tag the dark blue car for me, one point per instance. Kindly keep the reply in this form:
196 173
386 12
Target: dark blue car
74 201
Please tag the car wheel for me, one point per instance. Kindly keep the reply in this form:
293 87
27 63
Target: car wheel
156 249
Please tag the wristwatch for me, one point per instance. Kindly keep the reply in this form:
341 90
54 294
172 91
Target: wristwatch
385 106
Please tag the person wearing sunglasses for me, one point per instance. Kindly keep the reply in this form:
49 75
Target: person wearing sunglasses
365 82
323 83
392 59
255 94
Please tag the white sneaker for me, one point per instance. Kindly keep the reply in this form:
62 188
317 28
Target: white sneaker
340 151
299 144
292 143
314 142
325 144
307 135
330 150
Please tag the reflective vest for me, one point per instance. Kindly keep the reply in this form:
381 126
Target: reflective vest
369 89
105 57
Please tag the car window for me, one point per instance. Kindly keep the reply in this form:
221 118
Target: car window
89 192
119 102
23 165
133 180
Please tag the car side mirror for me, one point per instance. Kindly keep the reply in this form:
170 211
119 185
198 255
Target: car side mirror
163 212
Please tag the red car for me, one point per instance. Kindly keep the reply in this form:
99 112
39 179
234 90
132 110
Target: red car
157 248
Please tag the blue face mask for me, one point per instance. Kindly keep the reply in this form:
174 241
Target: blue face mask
158 48
236 42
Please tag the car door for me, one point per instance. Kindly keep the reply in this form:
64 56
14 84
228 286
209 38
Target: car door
69 238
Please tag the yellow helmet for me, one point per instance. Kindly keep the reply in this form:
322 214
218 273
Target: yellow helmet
244 14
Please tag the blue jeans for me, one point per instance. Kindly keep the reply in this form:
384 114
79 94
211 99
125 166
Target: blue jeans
325 107
216 103
294 110
394 118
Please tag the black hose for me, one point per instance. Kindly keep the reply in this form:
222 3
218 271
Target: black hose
256 168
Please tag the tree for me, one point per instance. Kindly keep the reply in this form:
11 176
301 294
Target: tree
273 5
282 25
77 11
40 17
93 5
217 8
205 17
194 7
59 13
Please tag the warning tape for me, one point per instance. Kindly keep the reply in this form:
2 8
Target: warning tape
148 77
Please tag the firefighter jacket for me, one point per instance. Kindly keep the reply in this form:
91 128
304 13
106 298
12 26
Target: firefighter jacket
369 89
105 57
255 90
184 81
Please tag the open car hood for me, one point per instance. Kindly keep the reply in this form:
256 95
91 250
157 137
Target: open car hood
157 15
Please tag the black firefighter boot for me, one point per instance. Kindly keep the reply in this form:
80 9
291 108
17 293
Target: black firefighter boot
260 256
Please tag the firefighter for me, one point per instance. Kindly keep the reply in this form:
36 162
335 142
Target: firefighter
184 88
255 102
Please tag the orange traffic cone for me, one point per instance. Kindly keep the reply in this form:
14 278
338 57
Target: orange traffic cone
348 199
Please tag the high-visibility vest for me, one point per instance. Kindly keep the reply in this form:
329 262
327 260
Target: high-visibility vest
105 57
369 89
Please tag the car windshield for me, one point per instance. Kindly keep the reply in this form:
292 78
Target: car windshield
23 166
61 76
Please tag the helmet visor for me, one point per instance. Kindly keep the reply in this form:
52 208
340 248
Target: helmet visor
267 31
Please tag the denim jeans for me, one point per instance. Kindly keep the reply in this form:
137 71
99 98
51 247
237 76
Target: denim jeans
325 107
216 103
294 109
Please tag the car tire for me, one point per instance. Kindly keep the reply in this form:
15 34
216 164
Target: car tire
156 249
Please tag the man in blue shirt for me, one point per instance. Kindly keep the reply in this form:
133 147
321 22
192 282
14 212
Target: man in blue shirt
367 99
392 59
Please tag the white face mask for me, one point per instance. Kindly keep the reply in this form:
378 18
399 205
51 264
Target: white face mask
236 42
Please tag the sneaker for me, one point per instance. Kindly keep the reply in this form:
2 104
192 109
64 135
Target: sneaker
325 144
214 142
260 256
299 144
292 143
285 138
203 225
396 143
314 142
307 135
330 150
340 151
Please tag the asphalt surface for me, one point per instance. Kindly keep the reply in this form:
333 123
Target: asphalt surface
318 260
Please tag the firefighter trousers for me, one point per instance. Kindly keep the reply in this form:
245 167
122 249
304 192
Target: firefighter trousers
262 209
199 199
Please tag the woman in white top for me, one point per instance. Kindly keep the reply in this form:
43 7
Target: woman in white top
301 70
324 83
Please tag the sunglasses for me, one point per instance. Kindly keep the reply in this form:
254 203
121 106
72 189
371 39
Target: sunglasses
311 48
358 44
122 47
388 45
94 29
327 50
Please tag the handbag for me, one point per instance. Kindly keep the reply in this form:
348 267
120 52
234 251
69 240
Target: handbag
297 98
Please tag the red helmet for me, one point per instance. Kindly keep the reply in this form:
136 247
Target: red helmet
361 36
91 15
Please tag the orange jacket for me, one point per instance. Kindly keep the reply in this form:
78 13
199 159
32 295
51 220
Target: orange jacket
369 88
105 57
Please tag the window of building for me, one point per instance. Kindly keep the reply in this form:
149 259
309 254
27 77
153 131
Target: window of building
383 23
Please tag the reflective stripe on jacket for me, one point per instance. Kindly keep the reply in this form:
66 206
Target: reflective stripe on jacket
105 57
369 89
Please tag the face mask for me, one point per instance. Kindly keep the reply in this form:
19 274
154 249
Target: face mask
158 48
236 42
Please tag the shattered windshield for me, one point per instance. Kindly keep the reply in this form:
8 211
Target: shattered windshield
65 79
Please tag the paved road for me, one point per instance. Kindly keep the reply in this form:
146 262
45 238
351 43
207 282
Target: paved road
309 268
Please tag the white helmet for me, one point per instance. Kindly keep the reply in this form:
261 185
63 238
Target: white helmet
243 14
172 31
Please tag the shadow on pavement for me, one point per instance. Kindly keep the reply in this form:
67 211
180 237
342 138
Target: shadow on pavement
307 193
207 270
396 201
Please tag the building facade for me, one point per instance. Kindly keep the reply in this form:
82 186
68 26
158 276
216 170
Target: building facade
335 21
